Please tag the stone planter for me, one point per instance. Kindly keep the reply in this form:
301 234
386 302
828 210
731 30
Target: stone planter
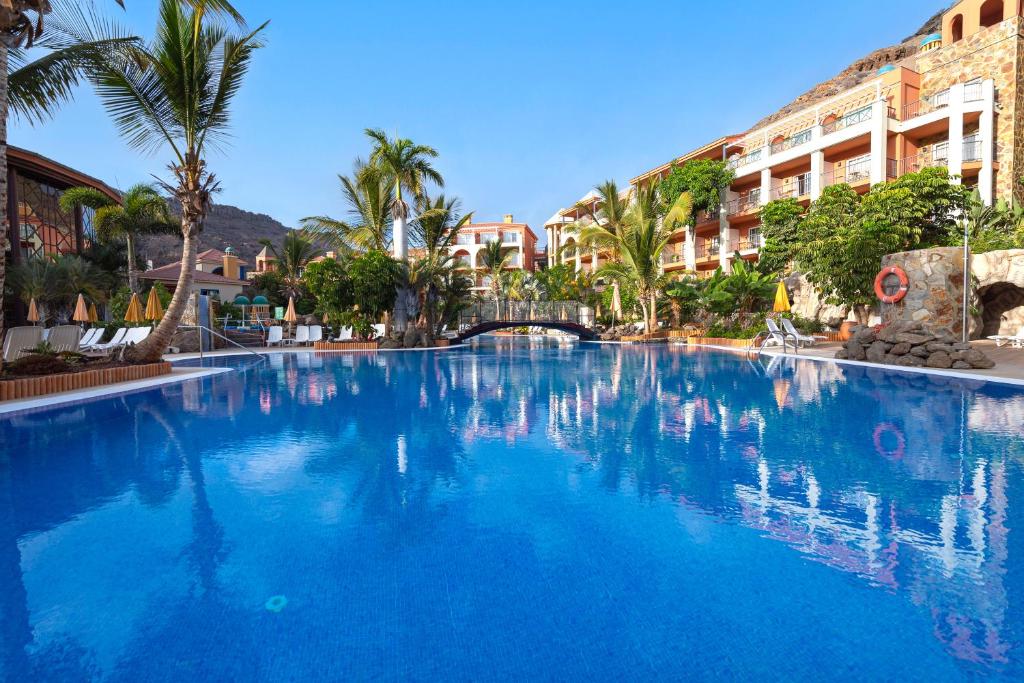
720 341
30 387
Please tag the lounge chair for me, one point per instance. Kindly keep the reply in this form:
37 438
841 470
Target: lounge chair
301 336
20 340
90 337
65 338
275 335
1015 340
316 333
801 339
344 334
378 330
777 337
114 342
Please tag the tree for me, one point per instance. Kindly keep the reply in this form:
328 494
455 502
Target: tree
438 223
744 290
35 88
683 296
55 283
780 225
926 204
177 92
432 276
142 211
643 238
369 195
495 260
295 252
408 167
329 283
703 179
990 227
375 275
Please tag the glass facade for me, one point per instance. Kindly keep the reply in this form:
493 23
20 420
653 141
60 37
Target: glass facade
44 228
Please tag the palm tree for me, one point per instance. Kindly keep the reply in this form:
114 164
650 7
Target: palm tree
296 251
34 88
495 260
177 93
639 244
142 212
438 223
408 167
369 195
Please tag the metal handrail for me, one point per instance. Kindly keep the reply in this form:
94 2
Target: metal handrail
218 334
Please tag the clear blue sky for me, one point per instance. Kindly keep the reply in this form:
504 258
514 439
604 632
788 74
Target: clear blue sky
530 104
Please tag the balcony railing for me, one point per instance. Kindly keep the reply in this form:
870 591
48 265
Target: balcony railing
795 187
791 142
851 119
926 105
852 174
708 252
746 159
670 258
744 203
707 216
973 91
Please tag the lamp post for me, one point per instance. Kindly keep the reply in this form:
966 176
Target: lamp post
967 277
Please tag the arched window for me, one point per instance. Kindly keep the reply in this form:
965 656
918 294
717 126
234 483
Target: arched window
991 13
957 28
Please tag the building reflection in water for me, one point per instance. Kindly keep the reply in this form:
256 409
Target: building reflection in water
900 482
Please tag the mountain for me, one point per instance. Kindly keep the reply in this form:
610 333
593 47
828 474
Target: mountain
226 226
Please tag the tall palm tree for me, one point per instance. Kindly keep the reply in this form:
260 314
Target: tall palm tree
495 260
639 245
34 88
438 223
369 195
408 167
177 93
296 251
142 211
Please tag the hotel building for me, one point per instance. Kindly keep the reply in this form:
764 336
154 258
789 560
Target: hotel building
517 239
949 98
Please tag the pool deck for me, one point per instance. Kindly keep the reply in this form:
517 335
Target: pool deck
1009 361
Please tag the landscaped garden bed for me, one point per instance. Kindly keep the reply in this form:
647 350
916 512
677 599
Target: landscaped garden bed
346 346
721 341
910 344
83 376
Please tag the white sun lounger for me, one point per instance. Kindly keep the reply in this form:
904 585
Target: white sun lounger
1014 340
777 337
378 330
301 336
65 338
275 335
90 337
790 329
20 340
114 342
316 333
344 334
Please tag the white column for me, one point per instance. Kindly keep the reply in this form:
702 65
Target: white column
766 185
726 246
879 140
690 248
817 171
986 133
956 130
593 259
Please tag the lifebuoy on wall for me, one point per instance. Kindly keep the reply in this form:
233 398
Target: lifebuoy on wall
880 282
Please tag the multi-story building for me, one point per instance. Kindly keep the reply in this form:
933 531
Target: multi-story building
517 240
949 100
562 231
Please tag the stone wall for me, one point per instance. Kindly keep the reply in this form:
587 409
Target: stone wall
998 279
806 302
991 53
936 289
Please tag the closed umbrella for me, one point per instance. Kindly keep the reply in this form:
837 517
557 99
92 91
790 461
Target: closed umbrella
134 312
93 315
781 299
33 312
616 302
289 315
154 311
81 312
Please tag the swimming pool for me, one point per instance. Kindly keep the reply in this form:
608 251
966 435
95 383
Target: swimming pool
518 510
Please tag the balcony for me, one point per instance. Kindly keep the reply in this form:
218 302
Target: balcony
973 91
926 105
850 119
792 141
972 150
744 203
708 252
670 259
795 187
746 159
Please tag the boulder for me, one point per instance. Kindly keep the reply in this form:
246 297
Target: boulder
939 359
938 346
390 344
961 365
910 361
854 350
876 352
843 354
901 349
865 336
913 338
962 346
920 351
411 338
977 359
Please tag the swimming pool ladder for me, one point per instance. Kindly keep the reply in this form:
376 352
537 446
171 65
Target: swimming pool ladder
203 328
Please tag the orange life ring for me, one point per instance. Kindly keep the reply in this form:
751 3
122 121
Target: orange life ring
901 442
900 293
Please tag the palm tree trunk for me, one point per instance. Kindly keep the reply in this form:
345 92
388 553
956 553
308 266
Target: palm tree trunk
152 349
133 273
400 244
653 326
4 219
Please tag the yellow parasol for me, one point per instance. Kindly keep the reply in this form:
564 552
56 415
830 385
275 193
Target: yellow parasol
81 313
93 315
33 312
134 312
154 311
289 315
781 299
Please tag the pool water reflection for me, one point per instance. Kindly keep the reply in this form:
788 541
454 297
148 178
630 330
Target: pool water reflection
517 510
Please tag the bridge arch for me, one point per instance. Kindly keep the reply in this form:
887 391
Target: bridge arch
584 333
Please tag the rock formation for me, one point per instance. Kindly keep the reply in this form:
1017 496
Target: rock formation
907 343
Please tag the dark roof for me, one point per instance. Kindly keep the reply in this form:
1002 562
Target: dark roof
55 171
171 273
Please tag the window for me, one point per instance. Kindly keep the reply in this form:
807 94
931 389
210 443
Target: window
45 229
991 13
212 293
972 148
940 152
486 237
858 168
510 236
464 238
754 237
803 184
957 28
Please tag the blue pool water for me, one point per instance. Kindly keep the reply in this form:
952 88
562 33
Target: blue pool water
518 510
